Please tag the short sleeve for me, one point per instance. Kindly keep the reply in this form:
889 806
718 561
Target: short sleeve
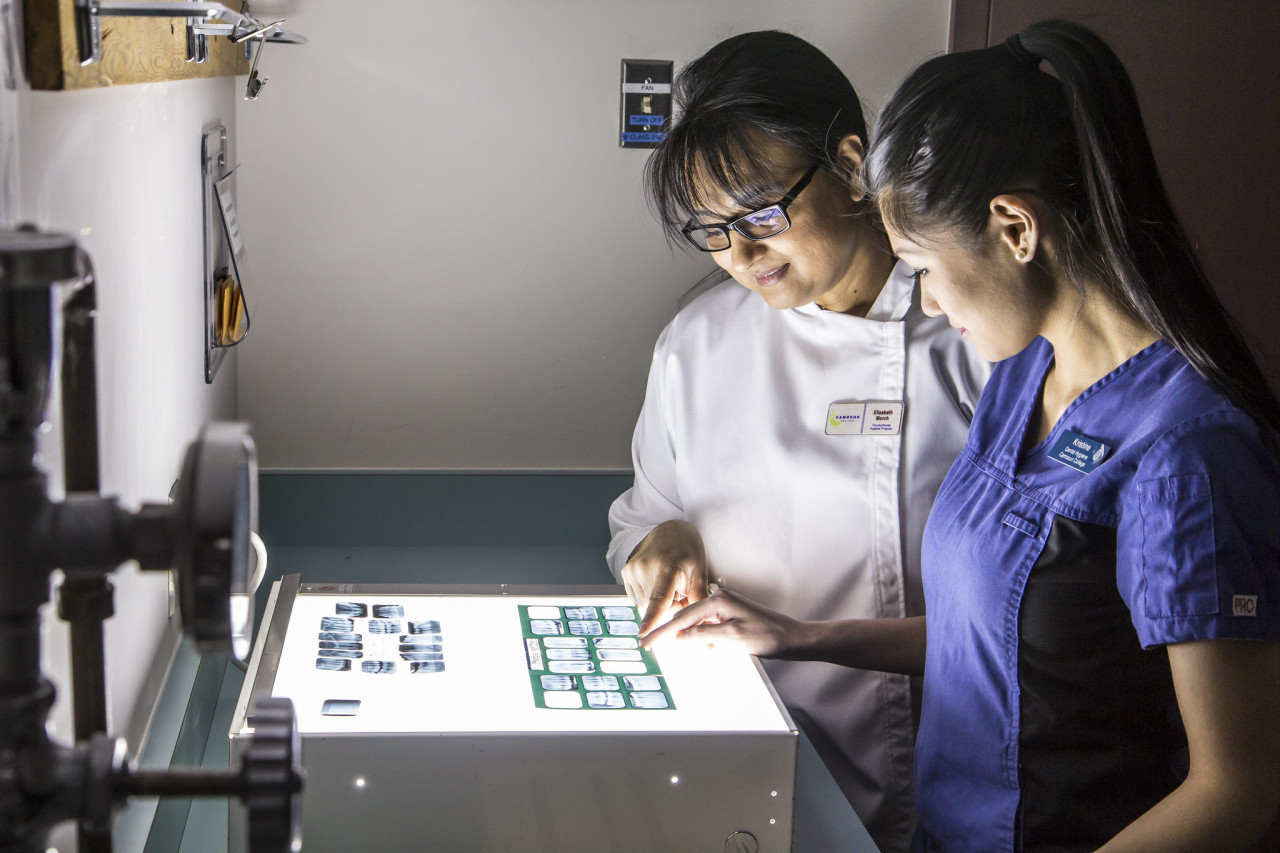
1199 539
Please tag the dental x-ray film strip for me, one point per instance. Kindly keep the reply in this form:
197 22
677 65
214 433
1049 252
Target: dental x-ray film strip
585 657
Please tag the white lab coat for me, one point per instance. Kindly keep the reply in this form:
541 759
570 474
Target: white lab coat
732 438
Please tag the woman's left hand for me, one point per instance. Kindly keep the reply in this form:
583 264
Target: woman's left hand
726 618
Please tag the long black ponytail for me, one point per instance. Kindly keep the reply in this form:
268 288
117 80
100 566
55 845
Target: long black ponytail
966 127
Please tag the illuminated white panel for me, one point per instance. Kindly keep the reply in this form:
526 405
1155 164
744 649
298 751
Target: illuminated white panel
485 683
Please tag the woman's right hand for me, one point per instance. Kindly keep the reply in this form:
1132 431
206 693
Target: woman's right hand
666 571
725 618
729 619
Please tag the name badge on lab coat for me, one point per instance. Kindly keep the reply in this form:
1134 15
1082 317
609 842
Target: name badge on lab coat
873 417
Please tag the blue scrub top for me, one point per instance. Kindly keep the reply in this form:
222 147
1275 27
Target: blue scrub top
1049 718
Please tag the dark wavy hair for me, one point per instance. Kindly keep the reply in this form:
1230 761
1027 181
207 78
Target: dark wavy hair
748 90
966 127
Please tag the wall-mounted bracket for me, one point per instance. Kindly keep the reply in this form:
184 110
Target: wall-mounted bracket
203 20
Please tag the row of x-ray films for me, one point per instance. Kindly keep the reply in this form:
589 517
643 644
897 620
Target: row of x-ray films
380 638
590 658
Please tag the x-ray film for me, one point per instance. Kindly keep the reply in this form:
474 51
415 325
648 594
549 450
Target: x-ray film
568 654
606 700
603 674
619 654
565 642
426 666
371 632
617 643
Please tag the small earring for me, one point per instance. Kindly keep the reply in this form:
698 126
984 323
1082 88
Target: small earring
1020 255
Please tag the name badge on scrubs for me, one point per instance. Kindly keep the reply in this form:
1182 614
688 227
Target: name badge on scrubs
1078 451
874 417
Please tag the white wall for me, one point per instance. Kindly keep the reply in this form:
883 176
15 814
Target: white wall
9 76
118 168
455 267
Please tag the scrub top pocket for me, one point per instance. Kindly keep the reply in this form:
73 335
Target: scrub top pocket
1179 560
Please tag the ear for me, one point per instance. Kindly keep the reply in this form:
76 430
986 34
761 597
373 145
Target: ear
1015 223
849 153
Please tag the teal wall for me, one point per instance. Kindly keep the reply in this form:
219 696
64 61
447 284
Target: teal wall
438 508
429 527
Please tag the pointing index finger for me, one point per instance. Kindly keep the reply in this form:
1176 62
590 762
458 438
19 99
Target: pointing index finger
683 619
660 599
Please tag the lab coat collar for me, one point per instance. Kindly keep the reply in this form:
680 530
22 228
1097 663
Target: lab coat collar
891 305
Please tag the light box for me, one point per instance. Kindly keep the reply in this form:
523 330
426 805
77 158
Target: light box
516 718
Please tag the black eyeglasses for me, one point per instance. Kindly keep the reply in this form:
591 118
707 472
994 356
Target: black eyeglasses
757 225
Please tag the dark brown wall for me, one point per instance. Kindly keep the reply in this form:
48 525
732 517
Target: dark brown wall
1208 78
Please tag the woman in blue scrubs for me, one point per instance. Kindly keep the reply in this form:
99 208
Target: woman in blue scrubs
1102 564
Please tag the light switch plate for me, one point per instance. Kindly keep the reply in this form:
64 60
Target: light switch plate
646 102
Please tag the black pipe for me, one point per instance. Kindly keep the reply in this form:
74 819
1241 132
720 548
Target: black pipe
24 573
85 602
79 392
42 783
179 781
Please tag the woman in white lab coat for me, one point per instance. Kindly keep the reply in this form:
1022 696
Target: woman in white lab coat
801 413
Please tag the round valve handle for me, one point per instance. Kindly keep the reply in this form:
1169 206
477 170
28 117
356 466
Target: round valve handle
269 780
271 770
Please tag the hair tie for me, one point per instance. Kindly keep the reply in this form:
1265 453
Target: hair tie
1025 58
